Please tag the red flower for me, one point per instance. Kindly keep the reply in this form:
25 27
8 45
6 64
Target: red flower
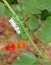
3 24
10 46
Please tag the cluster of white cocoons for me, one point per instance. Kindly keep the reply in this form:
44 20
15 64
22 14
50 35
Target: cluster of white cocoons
14 25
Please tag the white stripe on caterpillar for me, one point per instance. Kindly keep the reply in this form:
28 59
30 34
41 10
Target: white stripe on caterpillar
14 25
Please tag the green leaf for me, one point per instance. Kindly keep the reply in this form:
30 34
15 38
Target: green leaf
36 6
46 63
45 4
26 59
2 8
16 7
17 10
29 6
35 63
10 1
44 33
32 23
8 13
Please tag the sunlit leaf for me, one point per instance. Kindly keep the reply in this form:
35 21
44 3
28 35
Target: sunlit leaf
32 23
36 6
44 33
26 59
2 8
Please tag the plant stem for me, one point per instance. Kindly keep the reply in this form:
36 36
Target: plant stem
45 48
18 19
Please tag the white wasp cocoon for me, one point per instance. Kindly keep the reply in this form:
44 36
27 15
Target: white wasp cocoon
12 21
14 25
17 28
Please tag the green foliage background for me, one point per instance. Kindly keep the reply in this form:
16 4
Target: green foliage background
35 9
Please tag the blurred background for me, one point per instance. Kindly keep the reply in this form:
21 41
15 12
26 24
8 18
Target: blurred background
11 1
